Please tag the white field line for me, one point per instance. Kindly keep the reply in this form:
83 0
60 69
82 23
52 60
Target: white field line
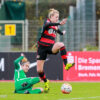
3 96
82 98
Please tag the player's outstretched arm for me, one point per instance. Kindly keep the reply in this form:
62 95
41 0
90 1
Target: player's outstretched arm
51 24
16 62
63 21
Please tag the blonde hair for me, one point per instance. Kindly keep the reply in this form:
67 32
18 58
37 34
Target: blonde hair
24 60
52 12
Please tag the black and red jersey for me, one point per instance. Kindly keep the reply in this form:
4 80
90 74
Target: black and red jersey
49 33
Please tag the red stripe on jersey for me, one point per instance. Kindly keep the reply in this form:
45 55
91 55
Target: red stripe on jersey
64 57
42 44
47 40
52 34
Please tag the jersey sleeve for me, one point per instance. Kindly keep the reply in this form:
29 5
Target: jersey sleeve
59 32
16 62
47 23
51 24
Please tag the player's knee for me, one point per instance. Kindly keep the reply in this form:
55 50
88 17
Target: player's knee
34 80
60 44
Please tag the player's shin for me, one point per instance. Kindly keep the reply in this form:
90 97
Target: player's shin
64 58
63 55
43 77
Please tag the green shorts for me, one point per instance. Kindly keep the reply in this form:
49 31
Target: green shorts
24 85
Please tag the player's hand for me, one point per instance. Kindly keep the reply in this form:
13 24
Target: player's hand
64 31
63 21
22 54
24 59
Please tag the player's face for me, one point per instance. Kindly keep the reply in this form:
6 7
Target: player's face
25 67
54 18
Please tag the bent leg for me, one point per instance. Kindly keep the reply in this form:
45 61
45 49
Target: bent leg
57 46
30 91
33 81
36 90
22 92
26 83
60 46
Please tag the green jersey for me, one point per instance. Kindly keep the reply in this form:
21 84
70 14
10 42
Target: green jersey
19 73
22 83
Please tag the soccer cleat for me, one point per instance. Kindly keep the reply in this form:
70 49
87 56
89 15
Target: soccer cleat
69 65
46 89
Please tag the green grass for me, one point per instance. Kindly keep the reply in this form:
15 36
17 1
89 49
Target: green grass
81 91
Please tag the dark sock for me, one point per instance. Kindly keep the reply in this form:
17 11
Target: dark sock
42 76
63 55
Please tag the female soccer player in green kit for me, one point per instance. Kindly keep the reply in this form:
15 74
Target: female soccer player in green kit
23 84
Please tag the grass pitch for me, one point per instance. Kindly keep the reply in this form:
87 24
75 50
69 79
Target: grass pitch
80 91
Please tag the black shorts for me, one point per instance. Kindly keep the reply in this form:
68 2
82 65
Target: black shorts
43 51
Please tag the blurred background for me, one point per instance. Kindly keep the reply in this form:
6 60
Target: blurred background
21 24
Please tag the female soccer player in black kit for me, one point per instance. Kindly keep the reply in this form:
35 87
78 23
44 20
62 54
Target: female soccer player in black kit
47 45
